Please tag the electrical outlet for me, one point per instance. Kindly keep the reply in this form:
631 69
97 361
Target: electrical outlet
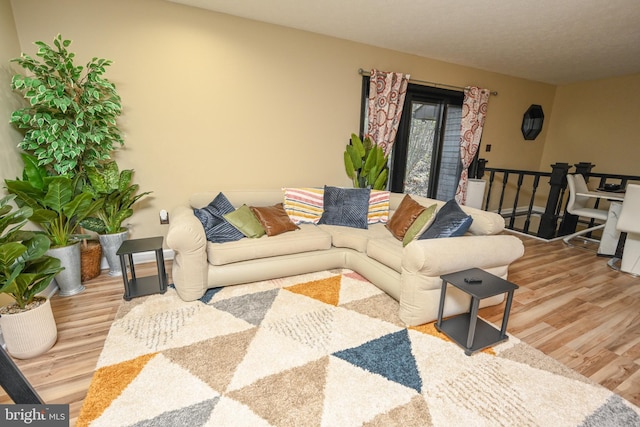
487 148
164 217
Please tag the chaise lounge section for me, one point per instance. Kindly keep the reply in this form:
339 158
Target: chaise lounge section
410 274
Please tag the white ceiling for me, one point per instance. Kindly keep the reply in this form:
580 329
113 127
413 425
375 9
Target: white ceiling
552 41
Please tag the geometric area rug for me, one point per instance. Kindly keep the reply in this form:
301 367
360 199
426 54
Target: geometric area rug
322 349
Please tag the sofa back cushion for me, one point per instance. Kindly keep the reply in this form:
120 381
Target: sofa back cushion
308 238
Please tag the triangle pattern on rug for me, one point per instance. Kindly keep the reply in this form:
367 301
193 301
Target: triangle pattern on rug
108 383
250 307
195 415
292 397
153 392
389 356
325 290
222 354
353 396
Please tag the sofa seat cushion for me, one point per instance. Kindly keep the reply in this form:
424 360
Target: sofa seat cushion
308 238
354 238
386 250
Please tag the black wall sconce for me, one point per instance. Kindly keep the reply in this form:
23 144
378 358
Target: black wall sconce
532 122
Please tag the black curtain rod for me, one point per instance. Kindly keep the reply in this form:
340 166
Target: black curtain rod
422 82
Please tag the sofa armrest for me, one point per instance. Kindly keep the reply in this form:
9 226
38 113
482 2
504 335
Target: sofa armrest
187 239
435 257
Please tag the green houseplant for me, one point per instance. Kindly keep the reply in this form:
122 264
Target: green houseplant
366 164
59 205
70 121
25 270
114 191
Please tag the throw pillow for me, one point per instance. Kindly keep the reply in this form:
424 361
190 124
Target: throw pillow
245 221
304 204
274 219
378 207
406 213
348 207
216 228
419 226
451 221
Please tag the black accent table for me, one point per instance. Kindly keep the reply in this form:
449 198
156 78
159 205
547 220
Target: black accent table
466 330
141 286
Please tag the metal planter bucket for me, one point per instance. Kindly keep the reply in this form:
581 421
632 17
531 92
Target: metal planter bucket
110 244
69 280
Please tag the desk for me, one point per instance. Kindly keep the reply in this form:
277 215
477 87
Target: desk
610 234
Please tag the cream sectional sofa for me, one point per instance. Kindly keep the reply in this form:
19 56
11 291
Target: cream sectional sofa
410 274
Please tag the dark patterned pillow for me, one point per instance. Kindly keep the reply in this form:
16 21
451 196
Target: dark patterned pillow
348 207
451 221
216 227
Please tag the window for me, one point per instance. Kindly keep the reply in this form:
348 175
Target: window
425 159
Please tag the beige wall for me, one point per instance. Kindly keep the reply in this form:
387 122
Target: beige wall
10 162
214 102
596 122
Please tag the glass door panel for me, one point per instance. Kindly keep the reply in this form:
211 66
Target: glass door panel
420 148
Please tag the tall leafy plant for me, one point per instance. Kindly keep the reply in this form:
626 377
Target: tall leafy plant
117 193
25 270
58 202
366 164
71 118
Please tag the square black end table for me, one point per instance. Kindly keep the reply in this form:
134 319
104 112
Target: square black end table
141 286
466 330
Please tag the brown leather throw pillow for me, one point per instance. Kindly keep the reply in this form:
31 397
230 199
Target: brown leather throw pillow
407 212
274 219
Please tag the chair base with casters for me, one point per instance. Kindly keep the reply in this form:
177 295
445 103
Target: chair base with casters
567 239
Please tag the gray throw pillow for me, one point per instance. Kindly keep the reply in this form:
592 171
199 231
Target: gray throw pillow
451 221
216 227
348 207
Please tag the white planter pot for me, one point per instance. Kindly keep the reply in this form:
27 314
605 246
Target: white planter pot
30 333
110 244
69 280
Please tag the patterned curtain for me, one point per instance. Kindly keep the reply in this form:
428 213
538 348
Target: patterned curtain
474 111
386 98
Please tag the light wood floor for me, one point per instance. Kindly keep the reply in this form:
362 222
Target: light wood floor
570 305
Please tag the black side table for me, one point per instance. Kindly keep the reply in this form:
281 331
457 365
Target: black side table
466 329
141 286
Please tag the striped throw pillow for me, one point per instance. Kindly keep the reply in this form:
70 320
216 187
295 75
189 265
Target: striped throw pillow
378 207
304 205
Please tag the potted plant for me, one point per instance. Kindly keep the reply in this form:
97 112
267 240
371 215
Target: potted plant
59 205
70 121
116 193
25 271
366 164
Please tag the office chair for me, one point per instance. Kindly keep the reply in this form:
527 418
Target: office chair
629 222
577 205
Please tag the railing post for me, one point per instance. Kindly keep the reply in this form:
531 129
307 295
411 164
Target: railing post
557 182
570 222
480 165
584 168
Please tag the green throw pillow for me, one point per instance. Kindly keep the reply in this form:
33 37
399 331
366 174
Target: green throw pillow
421 223
245 221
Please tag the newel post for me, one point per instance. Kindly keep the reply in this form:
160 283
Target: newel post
557 183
